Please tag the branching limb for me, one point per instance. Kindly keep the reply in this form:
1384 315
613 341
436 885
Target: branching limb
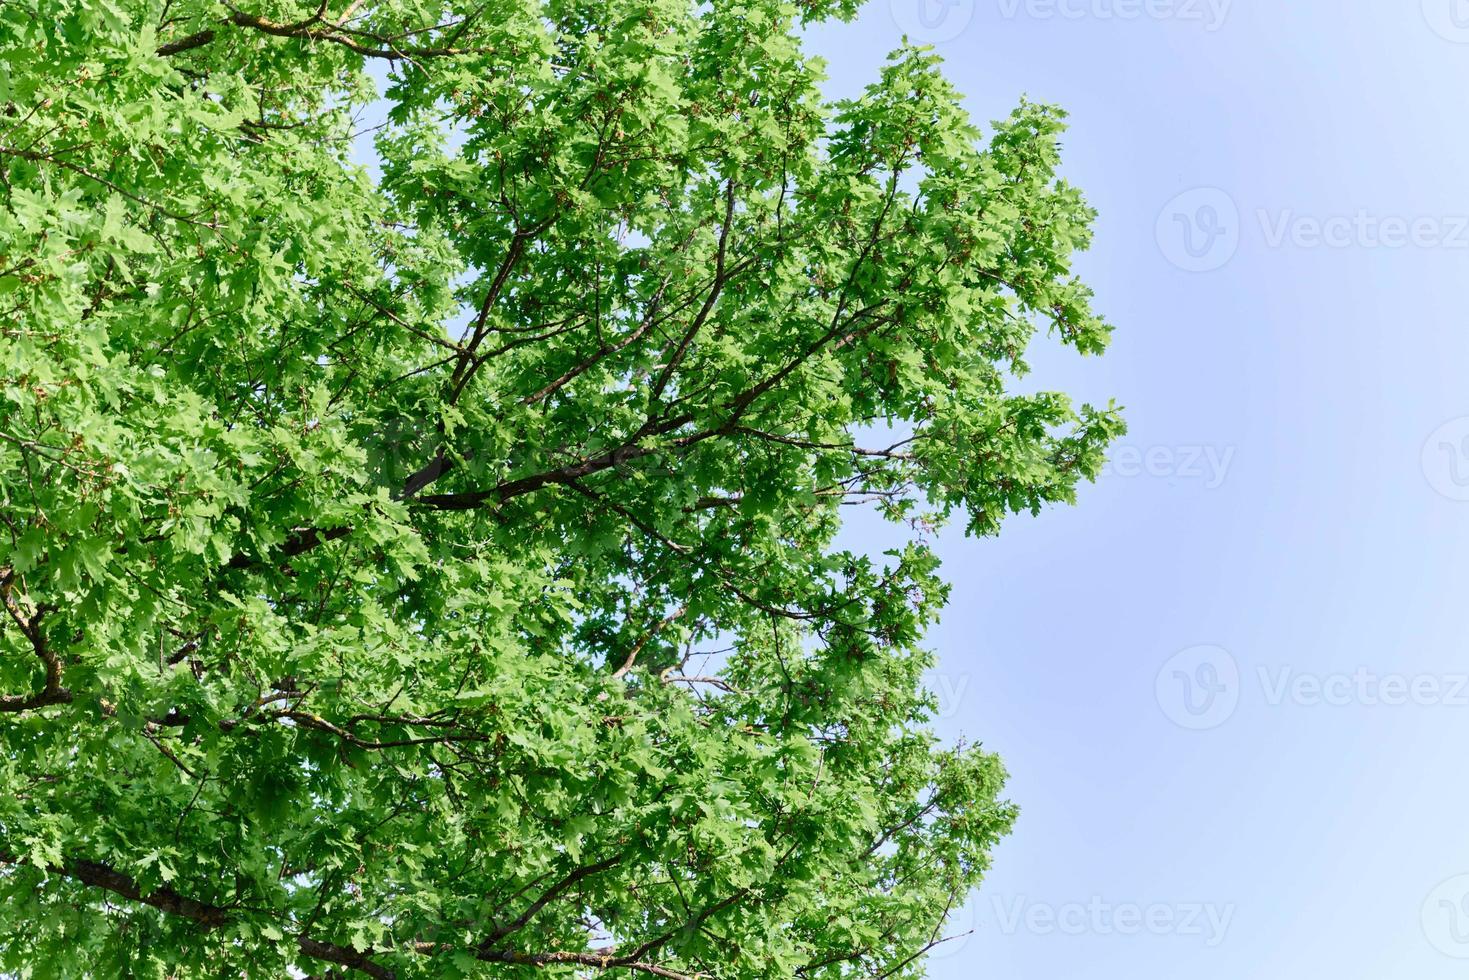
28 619
98 875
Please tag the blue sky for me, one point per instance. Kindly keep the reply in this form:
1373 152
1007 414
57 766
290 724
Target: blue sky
1231 686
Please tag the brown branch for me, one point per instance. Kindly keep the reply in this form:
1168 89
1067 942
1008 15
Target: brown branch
635 449
632 518
28 619
650 317
297 542
307 30
165 899
468 362
698 322
310 720
608 962
522 920
98 875
102 876
416 331
659 627
691 679
35 156
197 40
564 476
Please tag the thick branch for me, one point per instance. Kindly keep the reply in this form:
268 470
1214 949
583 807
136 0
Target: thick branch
197 40
659 627
28 619
308 30
209 916
107 878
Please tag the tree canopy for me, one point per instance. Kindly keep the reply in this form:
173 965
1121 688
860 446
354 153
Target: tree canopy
429 570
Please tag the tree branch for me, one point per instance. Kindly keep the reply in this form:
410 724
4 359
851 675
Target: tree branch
307 30
659 627
98 875
107 878
28 619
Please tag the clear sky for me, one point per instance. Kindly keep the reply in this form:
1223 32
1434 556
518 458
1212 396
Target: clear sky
1231 686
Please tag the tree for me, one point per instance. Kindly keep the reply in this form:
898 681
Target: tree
431 574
